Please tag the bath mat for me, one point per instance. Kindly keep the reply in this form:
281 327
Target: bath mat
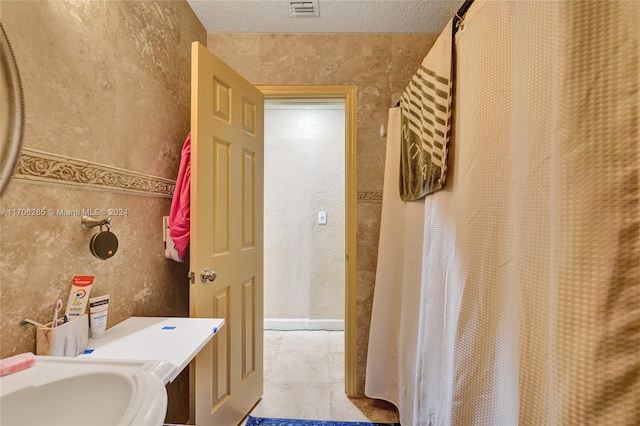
266 421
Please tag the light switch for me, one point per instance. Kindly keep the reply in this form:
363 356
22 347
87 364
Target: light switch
322 218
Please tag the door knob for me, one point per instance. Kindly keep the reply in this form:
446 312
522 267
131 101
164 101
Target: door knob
208 275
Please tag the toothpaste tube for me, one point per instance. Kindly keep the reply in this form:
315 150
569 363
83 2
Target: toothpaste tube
79 296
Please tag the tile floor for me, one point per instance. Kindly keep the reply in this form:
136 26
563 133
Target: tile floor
304 379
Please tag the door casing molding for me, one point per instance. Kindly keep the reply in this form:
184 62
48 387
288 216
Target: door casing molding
349 94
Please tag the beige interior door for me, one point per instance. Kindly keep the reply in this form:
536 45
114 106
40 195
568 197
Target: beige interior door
227 120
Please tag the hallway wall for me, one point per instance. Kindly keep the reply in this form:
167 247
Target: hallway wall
304 266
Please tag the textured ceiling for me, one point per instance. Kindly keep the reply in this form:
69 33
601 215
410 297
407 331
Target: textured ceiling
336 16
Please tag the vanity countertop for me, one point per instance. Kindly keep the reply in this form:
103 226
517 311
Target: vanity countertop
173 340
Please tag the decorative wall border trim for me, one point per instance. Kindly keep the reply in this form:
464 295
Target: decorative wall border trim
370 196
45 167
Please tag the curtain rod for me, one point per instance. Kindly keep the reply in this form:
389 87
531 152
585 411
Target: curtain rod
460 14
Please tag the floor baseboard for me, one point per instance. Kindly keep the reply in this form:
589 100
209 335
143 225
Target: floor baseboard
303 324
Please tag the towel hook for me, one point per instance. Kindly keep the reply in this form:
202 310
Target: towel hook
89 222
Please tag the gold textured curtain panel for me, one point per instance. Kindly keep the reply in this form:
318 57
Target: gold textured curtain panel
512 295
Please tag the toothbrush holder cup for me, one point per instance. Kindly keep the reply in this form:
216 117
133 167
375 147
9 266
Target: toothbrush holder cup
68 339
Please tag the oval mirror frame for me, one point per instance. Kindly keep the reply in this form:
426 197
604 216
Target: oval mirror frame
12 107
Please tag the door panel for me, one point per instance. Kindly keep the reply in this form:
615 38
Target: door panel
220 353
221 204
226 237
248 332
248 194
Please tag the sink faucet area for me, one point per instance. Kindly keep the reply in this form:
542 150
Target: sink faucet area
78 391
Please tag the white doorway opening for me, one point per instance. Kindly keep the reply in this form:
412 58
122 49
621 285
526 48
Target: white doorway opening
304 214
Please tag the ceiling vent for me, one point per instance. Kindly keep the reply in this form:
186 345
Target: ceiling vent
304 9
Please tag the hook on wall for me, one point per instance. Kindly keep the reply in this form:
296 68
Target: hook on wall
104 244
89 222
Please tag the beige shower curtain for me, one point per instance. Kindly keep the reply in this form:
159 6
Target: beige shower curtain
392 369
529 285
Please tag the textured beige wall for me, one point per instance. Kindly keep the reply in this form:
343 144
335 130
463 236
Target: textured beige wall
304 174
381 66
105 84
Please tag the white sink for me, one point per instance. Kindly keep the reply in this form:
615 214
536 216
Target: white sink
80 391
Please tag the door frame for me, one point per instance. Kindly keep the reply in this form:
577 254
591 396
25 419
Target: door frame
349 94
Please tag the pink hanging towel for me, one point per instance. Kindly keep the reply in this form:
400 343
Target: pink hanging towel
179 216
